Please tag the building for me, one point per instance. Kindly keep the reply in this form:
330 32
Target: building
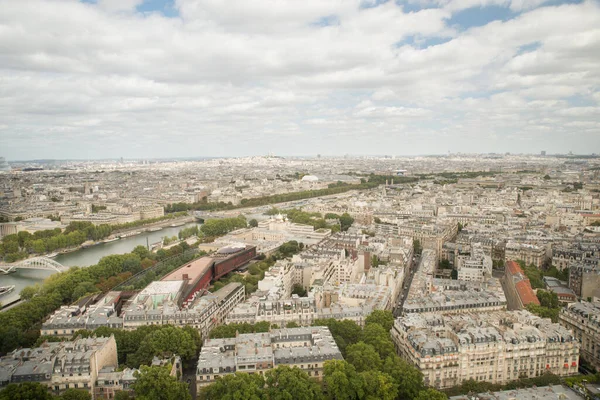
496 347
583 319
476 267
584 280
519 293
554 392
529 253
61 365
563 292
306 348
160 303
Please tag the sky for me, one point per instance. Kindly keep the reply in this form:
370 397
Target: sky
210 78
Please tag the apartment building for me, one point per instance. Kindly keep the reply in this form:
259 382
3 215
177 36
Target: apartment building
61 365
306 348
495 347
475 267
529 253
583 319
584 280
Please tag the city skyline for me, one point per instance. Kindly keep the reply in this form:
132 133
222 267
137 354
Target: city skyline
104 79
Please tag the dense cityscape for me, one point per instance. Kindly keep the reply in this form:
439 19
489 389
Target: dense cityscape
273 277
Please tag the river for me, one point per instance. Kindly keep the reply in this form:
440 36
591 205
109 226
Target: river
83 258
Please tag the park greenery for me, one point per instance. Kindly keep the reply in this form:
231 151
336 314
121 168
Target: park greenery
367 182
220 227
370 369
315 219
23 244
20 326
256 271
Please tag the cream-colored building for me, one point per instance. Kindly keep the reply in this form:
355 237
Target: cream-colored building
584 320
496 347
529 253
255 353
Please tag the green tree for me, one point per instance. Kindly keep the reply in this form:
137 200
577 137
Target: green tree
237 386
346 221
408 378
164 343
547 299
342 381
431 394
76 394
253 223
376 336
299 290
381 317
363 357
122 395
379 386
155 383
417 248
25 391
285 383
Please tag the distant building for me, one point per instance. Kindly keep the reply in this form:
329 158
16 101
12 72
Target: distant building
255 353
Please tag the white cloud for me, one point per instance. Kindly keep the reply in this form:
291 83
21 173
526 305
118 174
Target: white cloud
230 78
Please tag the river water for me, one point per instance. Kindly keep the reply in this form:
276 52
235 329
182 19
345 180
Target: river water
83 258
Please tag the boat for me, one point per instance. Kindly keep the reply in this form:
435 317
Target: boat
111 240
155 229
178 224
6 289
51 255
126 235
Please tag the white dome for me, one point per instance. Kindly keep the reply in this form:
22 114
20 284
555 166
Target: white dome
310 178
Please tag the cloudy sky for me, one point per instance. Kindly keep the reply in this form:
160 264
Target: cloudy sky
167 78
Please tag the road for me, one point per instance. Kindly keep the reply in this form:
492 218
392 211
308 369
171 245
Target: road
407 282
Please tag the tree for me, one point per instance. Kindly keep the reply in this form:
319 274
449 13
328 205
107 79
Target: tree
408 378
381 317
76 394
285 383
25 391
237 386
431 394
342 381
299 290
417 249
253 223
292 324
155 383
379 386
363 356
547 299
345 221
376 336
122 395
164 343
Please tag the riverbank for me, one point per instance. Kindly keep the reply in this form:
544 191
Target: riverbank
122 233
